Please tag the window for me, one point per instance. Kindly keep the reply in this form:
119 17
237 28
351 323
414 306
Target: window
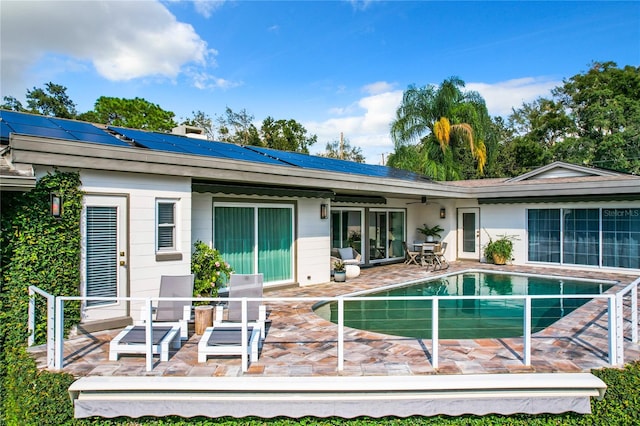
581 240
595 237
621 238
166 225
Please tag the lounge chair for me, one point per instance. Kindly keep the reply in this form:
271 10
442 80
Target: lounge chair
173 312
225 337
240 286
132 340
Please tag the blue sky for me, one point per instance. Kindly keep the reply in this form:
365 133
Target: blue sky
334 66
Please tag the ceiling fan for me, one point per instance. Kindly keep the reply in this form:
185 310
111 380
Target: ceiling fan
423 200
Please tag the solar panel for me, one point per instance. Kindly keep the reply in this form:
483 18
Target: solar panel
28 119
177 143
47 132
340 166
5 130
51 127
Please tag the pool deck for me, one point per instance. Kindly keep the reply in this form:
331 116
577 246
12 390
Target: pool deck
300 343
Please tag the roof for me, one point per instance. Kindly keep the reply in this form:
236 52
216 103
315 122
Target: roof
57 128
36 140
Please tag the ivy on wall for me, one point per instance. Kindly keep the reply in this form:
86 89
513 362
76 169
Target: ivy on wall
37 249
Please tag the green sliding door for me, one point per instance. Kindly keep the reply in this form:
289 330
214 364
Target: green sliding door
256 239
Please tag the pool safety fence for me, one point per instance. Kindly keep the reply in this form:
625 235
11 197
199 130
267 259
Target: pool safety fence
616 303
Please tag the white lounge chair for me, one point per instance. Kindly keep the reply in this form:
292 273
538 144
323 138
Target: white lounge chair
132 340
241 286
225 337
173 312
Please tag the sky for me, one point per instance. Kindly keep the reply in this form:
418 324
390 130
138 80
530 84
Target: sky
334 66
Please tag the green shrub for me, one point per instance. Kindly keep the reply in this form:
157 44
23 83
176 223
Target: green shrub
210 270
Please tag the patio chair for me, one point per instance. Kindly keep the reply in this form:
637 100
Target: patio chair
439 261
240 286
226 339
410 256
132 340
173 312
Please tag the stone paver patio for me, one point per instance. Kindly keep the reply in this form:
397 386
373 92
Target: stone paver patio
300 343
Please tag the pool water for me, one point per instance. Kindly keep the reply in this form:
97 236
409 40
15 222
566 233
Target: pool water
466 318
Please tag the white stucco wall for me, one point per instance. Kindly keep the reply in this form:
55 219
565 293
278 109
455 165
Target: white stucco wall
313 243
142 192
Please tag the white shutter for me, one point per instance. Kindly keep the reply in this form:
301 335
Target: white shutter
101 253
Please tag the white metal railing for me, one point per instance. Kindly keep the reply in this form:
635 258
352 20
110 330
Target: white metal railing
615 309
33 291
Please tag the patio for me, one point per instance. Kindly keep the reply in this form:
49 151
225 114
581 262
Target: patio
300 343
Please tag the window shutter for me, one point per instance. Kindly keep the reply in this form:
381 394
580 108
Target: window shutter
101 253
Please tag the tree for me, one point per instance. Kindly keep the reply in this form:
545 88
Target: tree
12 104
592 119
286 135
450 128
343 151
51 101
134 113
237 127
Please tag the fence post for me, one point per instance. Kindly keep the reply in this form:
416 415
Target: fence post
526 356
51 332
634 314
619 330
434 332
149 336
340 333
244 335
611 310
32 317
59 334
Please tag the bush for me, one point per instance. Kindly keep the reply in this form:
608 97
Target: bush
210 270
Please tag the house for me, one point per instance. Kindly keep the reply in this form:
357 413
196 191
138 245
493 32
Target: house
281 213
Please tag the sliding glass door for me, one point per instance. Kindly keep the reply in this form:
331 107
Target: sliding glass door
386 232
256 239
346 229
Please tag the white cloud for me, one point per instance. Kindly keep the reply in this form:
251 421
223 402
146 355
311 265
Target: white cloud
207 7
123 40
378 87
365 123
501 97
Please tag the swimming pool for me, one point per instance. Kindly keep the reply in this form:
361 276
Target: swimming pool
468 318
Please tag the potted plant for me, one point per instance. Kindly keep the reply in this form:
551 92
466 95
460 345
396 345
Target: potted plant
339 271
431 233
210 270
500 251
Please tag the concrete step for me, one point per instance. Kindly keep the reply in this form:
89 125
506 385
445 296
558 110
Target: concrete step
342 396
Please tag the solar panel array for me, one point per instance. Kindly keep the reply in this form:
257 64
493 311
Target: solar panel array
336 165
185 145
50 127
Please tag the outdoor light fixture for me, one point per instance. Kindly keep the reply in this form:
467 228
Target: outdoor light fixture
443 213
324 211
56 205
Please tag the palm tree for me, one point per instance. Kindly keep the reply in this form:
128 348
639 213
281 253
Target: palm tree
436 124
